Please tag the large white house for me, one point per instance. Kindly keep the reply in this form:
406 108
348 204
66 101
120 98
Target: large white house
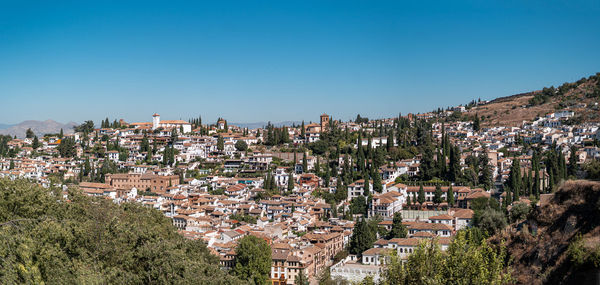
169 124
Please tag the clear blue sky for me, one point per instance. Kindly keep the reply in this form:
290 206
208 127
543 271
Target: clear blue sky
252 61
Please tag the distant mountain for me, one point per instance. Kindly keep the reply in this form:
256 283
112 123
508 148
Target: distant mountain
263 124
38 127
5 126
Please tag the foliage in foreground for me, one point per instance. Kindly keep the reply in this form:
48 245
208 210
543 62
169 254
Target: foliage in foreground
468 260
85 240
253 260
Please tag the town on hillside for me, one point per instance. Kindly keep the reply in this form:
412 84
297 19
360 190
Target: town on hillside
331 198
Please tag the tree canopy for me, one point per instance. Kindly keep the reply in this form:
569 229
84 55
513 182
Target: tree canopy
468 260
48 239
253 260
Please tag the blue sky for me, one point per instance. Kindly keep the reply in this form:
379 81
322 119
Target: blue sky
252 61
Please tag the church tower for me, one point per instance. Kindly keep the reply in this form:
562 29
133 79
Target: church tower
324 121
155 121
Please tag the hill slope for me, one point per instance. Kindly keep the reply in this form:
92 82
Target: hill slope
560 241
87 240
580 97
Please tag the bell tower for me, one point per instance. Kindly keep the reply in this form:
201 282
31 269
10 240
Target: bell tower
155 121
324 121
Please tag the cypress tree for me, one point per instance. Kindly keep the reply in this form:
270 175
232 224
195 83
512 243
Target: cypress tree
166 156
295 158
572 169
327 175
450 196
398 229
454 167
377 184
536 183
515 177
437 195
551 181
515 194
36 143
476 123
421 197
290 183
508 198
304 163
220 143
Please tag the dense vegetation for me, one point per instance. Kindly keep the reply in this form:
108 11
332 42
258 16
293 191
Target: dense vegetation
253 260
470 259
85 240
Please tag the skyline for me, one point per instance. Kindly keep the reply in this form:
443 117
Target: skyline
273 61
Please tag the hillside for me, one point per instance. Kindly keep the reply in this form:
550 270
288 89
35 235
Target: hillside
38 127
85 240
560 241
580 97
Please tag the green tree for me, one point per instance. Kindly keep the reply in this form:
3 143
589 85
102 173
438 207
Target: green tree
29 133
573 159
253 260
421 195
362 238
437 195
220 143
490 220
304 163
514 179
36 143
66 147
341 191
519 211
476 123
145 145
377 183
486 171
241 145
89 240
290 182
468 260
592 169
450 196
398 229
454 165
87 127
358 205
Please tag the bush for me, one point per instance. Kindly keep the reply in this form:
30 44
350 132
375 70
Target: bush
592 169
490 220
241 145
519 211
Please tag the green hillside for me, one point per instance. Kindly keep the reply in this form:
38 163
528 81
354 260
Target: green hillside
49 240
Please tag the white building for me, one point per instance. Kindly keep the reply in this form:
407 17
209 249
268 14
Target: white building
169 124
